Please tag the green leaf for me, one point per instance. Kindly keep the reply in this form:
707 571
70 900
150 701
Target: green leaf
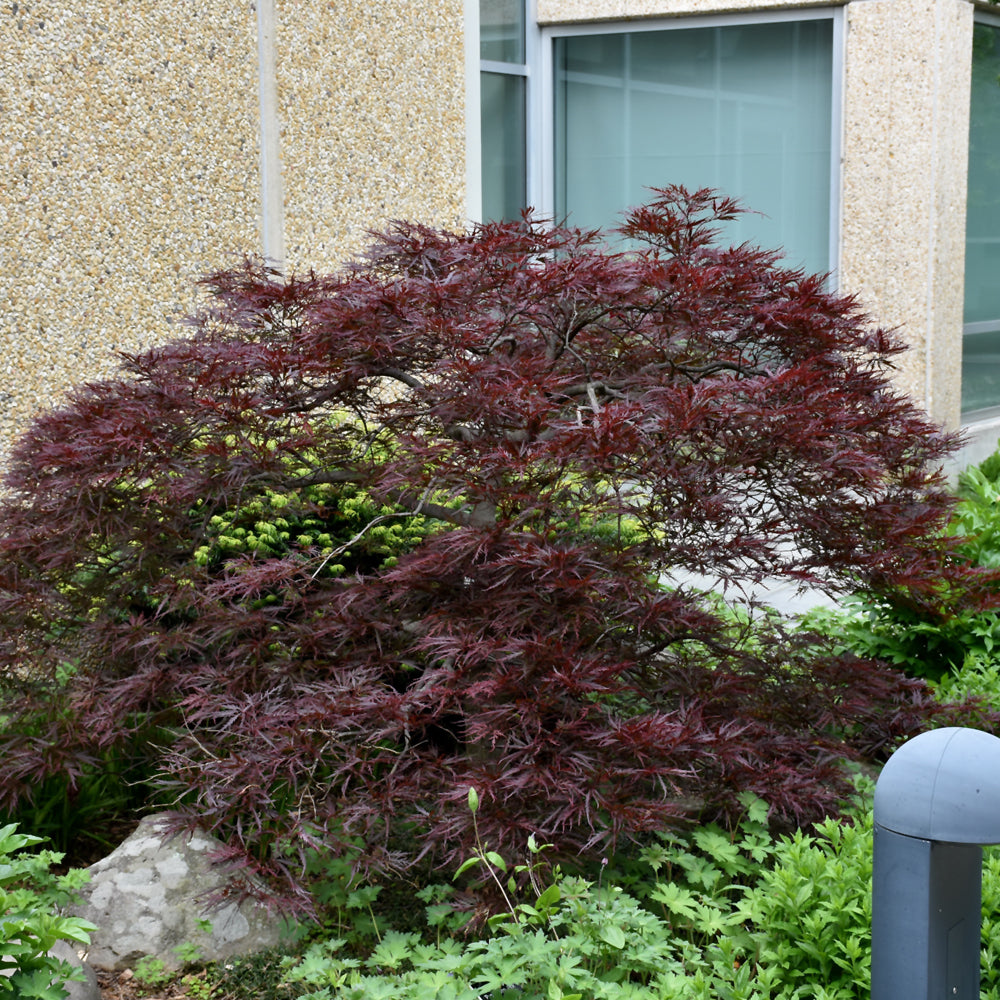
37 985
613 935
676 899
395 949
503 920
75 929
496 860
549 897
465 866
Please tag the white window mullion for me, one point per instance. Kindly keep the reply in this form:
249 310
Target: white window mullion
473 113
541 125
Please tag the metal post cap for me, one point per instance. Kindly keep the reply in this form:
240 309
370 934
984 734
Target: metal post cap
943 785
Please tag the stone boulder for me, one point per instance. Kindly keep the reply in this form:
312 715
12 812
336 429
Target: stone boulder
149 897
85 989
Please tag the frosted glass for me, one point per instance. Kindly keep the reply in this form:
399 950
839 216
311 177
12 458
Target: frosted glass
501 30
982 233
980 371
502 125
745 109
981 347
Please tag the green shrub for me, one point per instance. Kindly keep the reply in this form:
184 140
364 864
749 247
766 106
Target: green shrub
811 912
977 516
30 922
341 524
709 915
979 677
919 645
907 636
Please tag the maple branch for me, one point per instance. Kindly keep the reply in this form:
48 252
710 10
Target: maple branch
400 376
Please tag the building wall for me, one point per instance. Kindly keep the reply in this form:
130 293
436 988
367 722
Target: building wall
371 102
131 152
132 135
906 142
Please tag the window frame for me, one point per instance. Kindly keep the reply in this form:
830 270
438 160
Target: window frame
541 182
527 71
983 413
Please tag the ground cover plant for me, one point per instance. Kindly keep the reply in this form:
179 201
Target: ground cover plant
363 541
31 921
704 914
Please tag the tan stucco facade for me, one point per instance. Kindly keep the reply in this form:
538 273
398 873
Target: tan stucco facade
905 156
372 115
132 139
130 170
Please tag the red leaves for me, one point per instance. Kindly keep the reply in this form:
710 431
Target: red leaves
565 424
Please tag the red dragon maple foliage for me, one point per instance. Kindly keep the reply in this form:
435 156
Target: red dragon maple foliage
363 541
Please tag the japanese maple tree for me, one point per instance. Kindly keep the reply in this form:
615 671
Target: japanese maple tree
362 541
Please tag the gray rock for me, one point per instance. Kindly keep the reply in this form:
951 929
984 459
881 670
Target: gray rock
148 897
88 988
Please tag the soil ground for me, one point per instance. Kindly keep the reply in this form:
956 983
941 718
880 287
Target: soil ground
124 986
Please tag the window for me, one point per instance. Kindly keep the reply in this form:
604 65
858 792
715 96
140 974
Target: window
981 340
580 120
745 106
503 84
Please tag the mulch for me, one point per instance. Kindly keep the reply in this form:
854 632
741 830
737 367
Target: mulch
124 986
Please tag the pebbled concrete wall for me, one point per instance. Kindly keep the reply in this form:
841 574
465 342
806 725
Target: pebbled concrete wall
371 106
132 138
905 167
130 133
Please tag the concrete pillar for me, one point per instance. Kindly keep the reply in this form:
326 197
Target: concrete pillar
905 156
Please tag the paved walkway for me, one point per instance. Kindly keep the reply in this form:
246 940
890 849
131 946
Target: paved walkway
781 595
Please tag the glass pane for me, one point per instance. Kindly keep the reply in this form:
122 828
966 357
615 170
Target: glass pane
588 98
745 109
501 30
982 252
981 351
980 371
503 151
